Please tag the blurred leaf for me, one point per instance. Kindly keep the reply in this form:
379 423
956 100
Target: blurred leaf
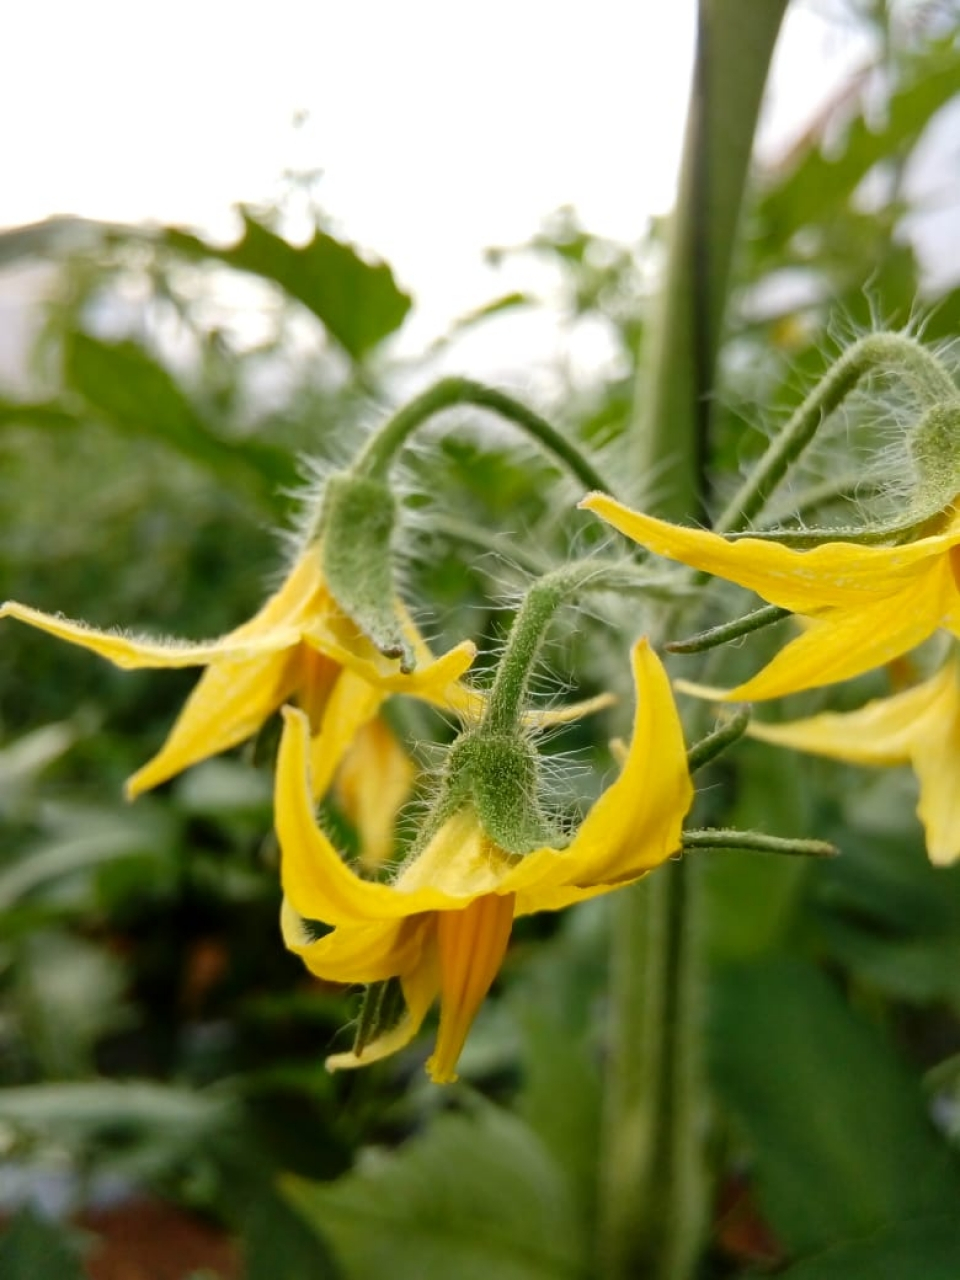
554 1003
225 788
358 302
80 840
44 415
819 182
32 1248
106 1109
71 993
882 910
278 1244
136 394
475 1196
23 760
925 1249
841 1138
60 234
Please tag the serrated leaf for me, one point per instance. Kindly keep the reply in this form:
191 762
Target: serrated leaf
474 1197
838 1126
358 302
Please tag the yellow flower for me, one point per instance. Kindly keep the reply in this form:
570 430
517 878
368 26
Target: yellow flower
442 926
300 644
919 727
866 605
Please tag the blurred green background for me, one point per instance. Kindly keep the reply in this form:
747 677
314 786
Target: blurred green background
161 1056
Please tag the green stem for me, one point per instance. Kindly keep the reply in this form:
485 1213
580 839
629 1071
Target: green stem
654 1100
875 353
756 842
379 453
726 631
508 695
724 736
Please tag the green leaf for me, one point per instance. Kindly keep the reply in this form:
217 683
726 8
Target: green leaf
80 840
45 415
882 910
474 1197
134 393
838 1127
358 302
71 992
814 188
32 1248
278 1244
102 1109
925 1249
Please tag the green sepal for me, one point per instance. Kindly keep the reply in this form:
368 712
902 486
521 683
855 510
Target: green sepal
381 1008
935 445
498 774
356 525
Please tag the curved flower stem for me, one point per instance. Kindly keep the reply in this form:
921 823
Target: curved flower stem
876 353
379 453
507 697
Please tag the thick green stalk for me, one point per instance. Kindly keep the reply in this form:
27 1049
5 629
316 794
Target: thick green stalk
654 1188
677 377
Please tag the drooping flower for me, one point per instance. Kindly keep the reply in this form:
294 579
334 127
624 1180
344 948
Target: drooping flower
919 727
441 927
299 645
866 605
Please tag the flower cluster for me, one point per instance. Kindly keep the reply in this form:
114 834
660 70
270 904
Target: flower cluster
862 606
334 642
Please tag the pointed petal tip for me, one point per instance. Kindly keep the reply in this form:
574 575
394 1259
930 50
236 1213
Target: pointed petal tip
708 691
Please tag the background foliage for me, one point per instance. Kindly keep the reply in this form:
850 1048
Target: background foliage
157 1043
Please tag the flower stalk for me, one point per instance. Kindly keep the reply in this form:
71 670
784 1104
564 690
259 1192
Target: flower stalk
450 393
875 353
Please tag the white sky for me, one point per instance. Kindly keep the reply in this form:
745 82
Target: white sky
440 127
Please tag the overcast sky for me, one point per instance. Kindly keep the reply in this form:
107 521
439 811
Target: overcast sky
440 128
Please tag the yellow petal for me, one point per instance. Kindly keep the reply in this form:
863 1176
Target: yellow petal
229 704
471 945
131 653
359 953
373 782
301 597
937 770
835 574
936 762
879 733
351 705
460 861
318 883
635 825
846 643
420 986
